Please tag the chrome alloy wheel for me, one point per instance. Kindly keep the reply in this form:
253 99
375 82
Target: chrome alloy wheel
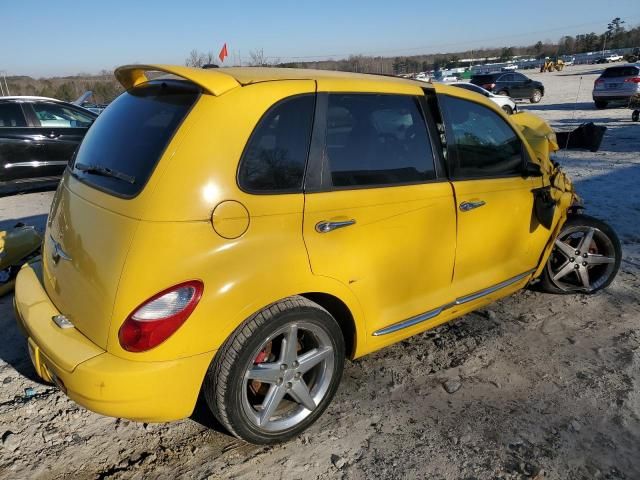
582 260
288 377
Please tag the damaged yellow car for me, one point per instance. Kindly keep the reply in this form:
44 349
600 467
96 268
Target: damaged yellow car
239 232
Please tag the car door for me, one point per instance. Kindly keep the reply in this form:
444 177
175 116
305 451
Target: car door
521 86
379 216
497 238
17 145
504 83
60 129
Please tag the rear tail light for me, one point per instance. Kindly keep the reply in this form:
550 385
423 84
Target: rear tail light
160 316
632 80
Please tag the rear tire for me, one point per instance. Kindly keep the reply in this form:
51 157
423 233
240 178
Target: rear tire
536 96
277 373
503 92
507 109
635 116
575 267
600 104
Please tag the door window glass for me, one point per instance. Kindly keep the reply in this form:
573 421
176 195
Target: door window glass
11 115
484 144
275 157
509 77
53 115
377 140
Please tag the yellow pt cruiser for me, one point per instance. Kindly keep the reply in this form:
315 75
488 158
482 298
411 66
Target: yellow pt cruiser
239 232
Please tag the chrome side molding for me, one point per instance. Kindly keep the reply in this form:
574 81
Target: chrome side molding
459 301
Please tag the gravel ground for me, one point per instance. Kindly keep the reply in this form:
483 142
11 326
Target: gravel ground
536 386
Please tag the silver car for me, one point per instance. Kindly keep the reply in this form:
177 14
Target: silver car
616 84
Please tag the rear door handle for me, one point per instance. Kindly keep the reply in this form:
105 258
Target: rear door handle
326 227
466 206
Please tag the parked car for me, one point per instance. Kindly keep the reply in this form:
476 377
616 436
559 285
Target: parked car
504 102
512 84
38 137
617 83
235 233
613 57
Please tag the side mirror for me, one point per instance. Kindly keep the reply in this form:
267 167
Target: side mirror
532 170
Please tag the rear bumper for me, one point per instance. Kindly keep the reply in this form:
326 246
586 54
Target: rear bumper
96 379
612 96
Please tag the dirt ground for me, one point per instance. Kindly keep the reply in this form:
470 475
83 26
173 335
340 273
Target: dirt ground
542 386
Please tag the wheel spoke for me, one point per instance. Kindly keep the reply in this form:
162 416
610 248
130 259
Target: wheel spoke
270 404
300 393
594 259
583 273
566 249
313 357
585 243
264 372
290 345
564 271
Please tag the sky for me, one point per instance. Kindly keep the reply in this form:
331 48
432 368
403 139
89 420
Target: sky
65 37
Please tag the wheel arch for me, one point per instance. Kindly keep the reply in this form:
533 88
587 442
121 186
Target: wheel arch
341 312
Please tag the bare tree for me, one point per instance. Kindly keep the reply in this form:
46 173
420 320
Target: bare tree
257 58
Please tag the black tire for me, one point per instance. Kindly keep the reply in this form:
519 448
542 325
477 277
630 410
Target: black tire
225 386
503 92
574 222
600 104
536 96
507 109
635 116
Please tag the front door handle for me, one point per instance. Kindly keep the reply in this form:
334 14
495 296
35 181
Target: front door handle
466 206
326 227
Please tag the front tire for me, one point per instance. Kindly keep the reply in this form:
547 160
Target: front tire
585 259
507 109
277 373
536 96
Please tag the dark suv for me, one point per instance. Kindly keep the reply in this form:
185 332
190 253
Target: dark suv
513 84
38 137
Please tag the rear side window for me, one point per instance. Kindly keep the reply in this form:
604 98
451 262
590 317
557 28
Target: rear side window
377 140
11 115
123 146
276 154
620 72
480 143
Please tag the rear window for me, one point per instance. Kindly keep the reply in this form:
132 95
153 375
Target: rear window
620 72
123 146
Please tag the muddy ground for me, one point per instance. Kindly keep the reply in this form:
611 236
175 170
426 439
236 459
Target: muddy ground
541 386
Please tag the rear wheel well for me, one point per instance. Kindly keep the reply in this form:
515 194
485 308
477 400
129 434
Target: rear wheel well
341 313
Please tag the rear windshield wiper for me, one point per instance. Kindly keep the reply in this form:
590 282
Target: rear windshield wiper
105 172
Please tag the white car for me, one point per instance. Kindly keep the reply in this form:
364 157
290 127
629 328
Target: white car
613 57
505 102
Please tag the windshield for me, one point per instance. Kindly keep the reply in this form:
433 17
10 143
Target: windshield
129 137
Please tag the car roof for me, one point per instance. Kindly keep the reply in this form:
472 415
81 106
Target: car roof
31 98
220 80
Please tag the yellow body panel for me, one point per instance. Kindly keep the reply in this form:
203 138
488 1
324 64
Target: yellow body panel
410 253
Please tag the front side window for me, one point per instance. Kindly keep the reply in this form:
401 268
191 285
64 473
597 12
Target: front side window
377 140
276 154
53 115
11 115
509 77
481 144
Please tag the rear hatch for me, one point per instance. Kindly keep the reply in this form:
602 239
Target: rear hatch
88 238
623 79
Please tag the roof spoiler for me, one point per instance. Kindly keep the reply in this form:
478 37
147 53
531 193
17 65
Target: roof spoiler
212 81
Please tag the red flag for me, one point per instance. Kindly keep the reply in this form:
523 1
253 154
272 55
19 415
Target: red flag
223 53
